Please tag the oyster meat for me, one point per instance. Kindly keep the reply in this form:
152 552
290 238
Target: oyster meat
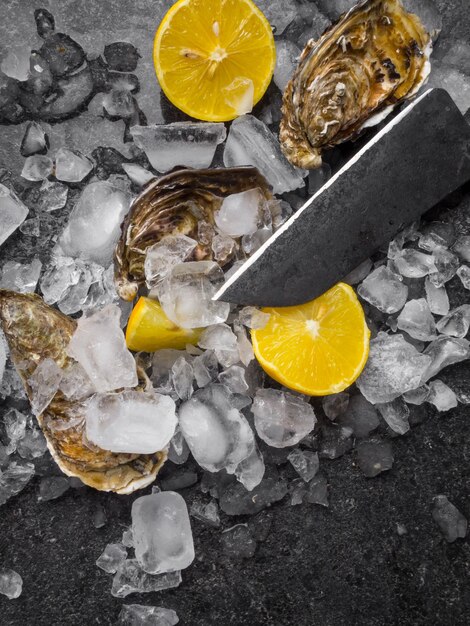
374 57
35 332
175 204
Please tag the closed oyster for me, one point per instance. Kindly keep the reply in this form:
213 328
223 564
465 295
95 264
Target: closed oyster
36 331
374 57
175 204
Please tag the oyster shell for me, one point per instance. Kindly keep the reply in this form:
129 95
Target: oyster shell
374 57
36 331
174 205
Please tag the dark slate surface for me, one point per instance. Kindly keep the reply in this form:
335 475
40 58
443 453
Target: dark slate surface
341 566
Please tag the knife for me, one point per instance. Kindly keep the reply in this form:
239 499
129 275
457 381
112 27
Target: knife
411 164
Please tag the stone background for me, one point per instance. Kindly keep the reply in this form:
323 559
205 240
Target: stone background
345 565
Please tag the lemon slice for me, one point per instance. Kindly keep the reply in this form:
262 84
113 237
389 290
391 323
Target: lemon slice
149 329
214 58
318 348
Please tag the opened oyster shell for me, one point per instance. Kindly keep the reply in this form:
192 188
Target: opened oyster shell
36 331
176 204
374 57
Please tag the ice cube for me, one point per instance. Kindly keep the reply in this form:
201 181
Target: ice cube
34 141
179 450
444 351
384 290
182 375
441 396
223 247
14 479
416 319
164 255
112 557
245 347
236 500
11 583
461 247
94 224
52 196
217 434
335 405
234 379
238 542
456 323
414 264
205 368
131 421
15 426
360 273
161 529
186 294
394 367
361 416
191 144
250 142
287 55
436 235
138 174
251 470
438 300
33 445
374 457
240 213
73 300
417 396
12 213
58 278
71 167
139 615
37 167
21 278
31 227
464 274
44 384
455 82
207 513
16 62
119 102
335 442
305 463
240 95
282 419
99 346
52 487
450 520
396 414
131 578
317 491
280 13
253 318
446 264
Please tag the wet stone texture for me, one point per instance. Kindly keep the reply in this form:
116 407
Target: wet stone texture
375 556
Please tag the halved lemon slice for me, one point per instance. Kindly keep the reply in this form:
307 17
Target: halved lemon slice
214 58
318 348
149 329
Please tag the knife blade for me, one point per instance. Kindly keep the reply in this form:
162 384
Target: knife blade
411 164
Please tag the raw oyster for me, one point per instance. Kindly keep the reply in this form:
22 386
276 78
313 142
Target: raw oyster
35 332
174 205
374 57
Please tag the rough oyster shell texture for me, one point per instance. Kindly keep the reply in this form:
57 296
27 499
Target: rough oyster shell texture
36 331
374 57
174 205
